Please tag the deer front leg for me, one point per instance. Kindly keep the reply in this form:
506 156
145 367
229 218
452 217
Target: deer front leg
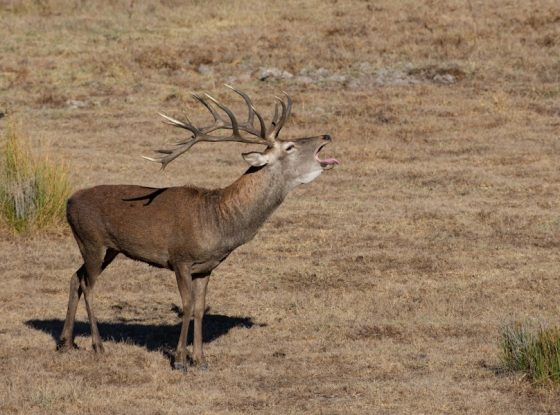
200 285
184 282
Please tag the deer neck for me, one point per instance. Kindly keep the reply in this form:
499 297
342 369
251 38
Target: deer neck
249 201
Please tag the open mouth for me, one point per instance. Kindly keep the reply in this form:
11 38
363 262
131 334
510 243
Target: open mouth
327 163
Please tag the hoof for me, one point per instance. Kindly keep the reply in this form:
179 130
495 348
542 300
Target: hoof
202 367
64 346
180 366
182 360
98 348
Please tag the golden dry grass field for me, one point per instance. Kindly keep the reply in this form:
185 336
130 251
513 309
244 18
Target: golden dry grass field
381 287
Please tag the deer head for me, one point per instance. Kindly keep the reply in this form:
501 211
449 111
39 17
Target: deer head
297 159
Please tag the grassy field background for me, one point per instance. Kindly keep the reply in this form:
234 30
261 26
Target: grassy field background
379 288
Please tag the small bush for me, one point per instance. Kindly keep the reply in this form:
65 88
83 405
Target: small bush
532 349
33 188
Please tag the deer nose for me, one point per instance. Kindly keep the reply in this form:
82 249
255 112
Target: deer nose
327 137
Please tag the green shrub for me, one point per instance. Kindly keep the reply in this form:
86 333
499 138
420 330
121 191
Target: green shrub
532 349
33 188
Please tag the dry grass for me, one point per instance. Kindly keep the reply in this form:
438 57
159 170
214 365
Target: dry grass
33 187
379 288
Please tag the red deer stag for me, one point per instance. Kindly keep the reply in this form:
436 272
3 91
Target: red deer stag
187 229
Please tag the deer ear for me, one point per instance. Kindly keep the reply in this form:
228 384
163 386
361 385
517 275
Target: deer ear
255 158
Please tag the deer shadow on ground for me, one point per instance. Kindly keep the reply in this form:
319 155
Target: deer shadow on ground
154 337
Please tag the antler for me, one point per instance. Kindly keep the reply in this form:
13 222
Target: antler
262 135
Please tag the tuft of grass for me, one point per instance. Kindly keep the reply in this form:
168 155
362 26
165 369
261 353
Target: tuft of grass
532 349
33 187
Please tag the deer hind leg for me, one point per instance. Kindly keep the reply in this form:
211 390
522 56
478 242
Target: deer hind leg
66 341
184 282
82 282
199 285
95 262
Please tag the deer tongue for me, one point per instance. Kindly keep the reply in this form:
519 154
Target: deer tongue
330 161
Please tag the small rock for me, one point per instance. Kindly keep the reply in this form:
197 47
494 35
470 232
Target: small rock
322 73
392 76
77 104
274 73
365 67
303 79
337 78
307 71
204 69
445 78
244 77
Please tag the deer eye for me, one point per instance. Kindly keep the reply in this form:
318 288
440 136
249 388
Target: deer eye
290 148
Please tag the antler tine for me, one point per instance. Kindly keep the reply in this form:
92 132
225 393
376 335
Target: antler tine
279 123
275 116
262 124
177 123
234 124
289 109
214 113
172 154
251 115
